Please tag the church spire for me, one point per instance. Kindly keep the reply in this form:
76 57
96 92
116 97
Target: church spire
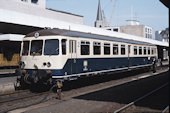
99 12
99 19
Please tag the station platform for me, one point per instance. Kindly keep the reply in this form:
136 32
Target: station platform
7 72
7 84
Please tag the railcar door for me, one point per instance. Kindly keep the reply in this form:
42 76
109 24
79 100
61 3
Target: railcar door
73 52
129 51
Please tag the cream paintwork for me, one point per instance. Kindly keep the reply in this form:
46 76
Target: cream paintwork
58 61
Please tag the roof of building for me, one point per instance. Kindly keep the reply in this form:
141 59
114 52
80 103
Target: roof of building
63 12
11 37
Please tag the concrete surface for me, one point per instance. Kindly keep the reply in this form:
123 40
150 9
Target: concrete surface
7 71
7 84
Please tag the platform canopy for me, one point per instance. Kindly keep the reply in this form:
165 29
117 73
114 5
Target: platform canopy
165 2
11 37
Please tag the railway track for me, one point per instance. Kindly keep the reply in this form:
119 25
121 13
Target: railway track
20 99
130 107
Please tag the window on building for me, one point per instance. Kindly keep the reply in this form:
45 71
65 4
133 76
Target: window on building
122 49
63 44
25 50
135 50
140 50
149 51
115 49
34 1
144 50
106 48
24 0
116 29
96 48
85 48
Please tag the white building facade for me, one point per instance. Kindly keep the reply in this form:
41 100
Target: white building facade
24 16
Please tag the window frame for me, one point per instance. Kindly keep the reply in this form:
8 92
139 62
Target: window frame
63 46
96 44
31 53
121 47
86 44
140 50
51 52
106 46
116 46
149 51
28 48
135 48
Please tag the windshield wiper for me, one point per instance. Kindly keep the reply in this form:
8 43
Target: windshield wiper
34 53
54 51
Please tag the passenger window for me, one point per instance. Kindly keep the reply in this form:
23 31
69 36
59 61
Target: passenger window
152 51
96 48
85 48
149 51
122 49
140 50
135 50
25 50
106 48
144 50
115 49
63 44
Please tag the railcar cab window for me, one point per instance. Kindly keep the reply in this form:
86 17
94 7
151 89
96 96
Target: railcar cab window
106 48
149 51
25 49
51 47
36 47
115 49
140 50
144 50
85 46
63 44
123 50
96 48
135 50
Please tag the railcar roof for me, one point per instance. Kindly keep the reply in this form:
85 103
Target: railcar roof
63 32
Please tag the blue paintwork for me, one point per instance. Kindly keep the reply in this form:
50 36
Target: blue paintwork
98 64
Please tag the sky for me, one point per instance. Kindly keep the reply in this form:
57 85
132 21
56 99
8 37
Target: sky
151 13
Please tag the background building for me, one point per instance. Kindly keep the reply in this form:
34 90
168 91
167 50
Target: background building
132 27
24 16
20 17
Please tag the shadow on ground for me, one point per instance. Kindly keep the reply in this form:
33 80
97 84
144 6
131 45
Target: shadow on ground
128 92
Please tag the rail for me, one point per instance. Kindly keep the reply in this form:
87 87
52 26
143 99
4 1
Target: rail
166 109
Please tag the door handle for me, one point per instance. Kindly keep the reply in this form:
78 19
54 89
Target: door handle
74 60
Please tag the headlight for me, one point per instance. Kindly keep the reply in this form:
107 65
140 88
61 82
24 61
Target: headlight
48 64
21 64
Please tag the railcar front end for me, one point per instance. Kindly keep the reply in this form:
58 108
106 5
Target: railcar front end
40 58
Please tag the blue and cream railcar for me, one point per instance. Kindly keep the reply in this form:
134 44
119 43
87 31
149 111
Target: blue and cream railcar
64 54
